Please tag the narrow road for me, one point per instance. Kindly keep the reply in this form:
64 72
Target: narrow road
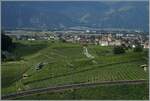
70 86
86 53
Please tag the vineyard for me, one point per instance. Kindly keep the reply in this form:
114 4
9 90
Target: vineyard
115 92
65 63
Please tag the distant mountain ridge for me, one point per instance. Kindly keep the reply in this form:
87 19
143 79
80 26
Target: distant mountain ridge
128 15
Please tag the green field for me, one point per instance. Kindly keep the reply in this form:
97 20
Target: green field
115 92
65 63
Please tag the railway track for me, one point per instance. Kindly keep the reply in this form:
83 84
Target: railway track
70 86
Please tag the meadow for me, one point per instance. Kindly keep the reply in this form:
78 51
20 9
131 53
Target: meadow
65 63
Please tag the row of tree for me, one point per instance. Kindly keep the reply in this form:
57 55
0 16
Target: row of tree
122 49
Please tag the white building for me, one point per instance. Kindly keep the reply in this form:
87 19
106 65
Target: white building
103 43
31 39
116 43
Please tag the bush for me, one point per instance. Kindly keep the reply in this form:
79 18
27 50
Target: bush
138 48
6 42
126 47
118 50
62 40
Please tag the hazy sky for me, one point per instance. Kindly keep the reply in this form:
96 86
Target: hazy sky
55 14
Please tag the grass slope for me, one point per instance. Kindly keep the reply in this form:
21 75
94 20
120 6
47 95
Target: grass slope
65 63
114 92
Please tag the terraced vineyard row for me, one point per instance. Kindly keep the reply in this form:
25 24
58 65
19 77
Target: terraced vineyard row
116 72
66 64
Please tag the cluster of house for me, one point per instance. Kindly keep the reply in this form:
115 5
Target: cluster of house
103 39
31 36
108 39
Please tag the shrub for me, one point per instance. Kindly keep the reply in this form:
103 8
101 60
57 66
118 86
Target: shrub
62 40
118 50
6 42
138 48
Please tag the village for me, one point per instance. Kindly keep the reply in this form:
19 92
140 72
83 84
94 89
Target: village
102 38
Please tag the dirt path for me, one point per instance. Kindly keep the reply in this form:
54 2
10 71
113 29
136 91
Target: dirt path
87 54
71 86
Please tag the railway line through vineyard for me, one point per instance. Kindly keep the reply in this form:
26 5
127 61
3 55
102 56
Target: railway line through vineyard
71 86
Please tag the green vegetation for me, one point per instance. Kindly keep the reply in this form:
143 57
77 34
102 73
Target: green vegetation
65 63
138 48
25 48
6 42
114 92
6 46
118 50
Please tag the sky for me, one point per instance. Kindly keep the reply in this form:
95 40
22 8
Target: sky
109 14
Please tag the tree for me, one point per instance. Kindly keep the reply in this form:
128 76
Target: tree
6 42
118 50
6 47
3 57
63 40
124 46
138 48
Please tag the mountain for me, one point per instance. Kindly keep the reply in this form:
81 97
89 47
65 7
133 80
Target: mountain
50 14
